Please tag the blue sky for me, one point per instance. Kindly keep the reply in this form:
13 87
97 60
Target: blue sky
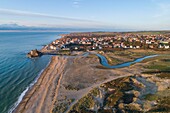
118 14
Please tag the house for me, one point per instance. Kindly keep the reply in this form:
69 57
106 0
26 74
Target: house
125 47
100 47
151 46
148 42
52 47
75 48
137 47
93 48
83 42
166 46
65 48
88 43
161 46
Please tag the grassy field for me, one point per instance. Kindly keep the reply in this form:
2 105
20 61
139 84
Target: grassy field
159 66
118 57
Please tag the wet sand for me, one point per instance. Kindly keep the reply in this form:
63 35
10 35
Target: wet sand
40 98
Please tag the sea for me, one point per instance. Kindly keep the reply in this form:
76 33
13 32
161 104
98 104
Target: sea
17 72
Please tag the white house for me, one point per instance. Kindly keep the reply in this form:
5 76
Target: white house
166 46
137 47
160 46
52 47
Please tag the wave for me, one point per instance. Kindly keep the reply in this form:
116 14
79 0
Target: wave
15 105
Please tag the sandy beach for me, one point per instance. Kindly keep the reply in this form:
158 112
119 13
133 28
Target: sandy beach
40 98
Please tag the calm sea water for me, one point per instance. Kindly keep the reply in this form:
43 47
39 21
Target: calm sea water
17 72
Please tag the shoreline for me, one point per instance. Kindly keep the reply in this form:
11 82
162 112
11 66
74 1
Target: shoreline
28 88
26 100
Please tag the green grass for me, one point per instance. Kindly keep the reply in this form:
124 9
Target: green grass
95 92
163 101
92 56
165 60
61 108
159 66
113 98
65 52
149 60
151 97
87 101
164 75
84 104
113 61
119 87
152 32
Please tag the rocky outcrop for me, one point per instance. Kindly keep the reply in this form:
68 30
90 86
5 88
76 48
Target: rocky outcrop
34 53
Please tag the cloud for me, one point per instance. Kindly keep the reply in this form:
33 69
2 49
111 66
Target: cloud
57 20
33 14
76 3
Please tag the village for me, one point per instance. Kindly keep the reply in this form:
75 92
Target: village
104 41
110 42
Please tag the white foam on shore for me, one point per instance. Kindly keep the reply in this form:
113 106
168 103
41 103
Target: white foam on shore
14 106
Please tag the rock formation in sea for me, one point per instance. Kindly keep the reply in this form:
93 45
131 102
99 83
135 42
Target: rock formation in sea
34 53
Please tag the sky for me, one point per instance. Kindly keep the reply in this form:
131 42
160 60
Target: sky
111 14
